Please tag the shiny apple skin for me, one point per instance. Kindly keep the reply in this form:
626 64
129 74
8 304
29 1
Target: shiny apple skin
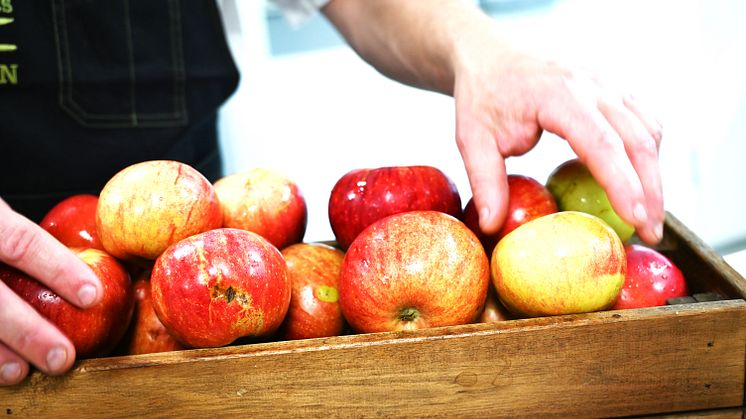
265 202
494 311
94 331
562 263
147 333
314 312
527 199
149 206
214 287
363 196
413 270
651 279
73 222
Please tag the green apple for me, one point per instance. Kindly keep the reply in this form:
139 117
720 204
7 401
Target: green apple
562 263
575 189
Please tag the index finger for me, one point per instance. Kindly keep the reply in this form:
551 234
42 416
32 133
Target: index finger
31 249
601 148
485 167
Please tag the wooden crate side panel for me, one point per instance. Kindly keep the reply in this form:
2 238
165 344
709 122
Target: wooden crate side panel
629 362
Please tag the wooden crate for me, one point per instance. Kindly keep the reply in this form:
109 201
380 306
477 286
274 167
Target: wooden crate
678 358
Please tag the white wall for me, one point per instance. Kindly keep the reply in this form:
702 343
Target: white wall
316 115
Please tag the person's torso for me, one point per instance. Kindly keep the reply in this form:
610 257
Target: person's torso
88 87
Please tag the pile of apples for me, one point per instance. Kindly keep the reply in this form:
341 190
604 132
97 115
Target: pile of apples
186 263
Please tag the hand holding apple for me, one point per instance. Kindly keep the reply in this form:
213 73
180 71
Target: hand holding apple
94 331
413 270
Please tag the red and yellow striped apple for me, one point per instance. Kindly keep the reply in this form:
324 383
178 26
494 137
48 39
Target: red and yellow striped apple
413 270
314 312
562 263
265 202
149 206
215 287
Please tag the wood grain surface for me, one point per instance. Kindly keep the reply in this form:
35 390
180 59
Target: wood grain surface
631 362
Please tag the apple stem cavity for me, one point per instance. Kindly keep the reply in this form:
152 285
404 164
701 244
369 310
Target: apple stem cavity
409 314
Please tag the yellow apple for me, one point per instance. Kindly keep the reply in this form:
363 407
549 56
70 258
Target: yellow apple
562 263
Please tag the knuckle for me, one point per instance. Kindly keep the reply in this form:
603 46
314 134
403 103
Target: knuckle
646 146
26 340
606 139
16 243
657 135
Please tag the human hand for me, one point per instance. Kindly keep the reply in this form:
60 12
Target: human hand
505 99
25 336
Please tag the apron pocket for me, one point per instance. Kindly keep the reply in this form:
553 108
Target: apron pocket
121 62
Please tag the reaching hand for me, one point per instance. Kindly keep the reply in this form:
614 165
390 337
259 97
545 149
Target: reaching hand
505 99
24 335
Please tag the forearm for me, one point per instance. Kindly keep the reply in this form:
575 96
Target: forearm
416 42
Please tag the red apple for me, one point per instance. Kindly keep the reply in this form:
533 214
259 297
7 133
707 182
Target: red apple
494 311
73 221
94 331
314 311
148 206
651 279
527 199
215 287
265 202
413 270
147 333
562 263
363 196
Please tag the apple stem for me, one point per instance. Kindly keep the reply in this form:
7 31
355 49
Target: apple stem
409 314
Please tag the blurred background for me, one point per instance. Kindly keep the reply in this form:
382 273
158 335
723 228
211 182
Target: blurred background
309 107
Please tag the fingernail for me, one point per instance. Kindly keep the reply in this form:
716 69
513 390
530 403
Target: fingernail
640 214
658 231
56 359
10 372
87 295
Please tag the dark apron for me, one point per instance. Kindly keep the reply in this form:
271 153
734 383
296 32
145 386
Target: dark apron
88 87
